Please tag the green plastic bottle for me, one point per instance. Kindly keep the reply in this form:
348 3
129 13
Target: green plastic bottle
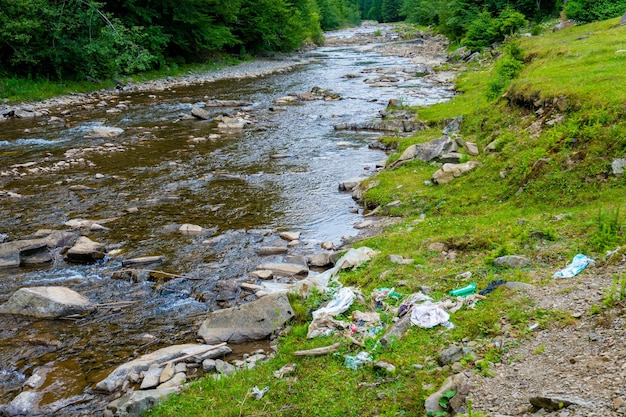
464 291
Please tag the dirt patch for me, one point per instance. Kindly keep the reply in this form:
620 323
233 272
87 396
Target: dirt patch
584 361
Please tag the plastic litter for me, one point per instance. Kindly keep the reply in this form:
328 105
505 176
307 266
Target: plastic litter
429 315
259 393
323 323
381 293
355 362
352 259
492 286
579 263
464 291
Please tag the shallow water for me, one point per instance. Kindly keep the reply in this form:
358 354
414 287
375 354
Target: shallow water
229 185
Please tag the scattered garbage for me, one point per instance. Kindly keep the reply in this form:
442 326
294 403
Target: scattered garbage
355 362
579 263
323 323
464 291
492 286
429 314
259 393
381 293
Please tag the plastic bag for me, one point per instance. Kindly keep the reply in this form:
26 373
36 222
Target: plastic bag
429 315
355 362
579 263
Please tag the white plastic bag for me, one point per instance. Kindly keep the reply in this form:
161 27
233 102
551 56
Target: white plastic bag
579 263
429 315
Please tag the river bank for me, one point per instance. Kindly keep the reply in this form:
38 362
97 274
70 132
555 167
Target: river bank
535 344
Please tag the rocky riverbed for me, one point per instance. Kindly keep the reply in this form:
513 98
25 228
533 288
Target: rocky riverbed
174 199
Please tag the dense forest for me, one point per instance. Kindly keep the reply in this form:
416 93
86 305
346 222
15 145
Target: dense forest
78 39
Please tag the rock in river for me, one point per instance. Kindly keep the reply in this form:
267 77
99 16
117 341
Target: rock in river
47 302
85 251
116 379
253 321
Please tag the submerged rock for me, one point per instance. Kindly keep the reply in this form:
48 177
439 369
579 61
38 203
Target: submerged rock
47 302
253 321
104 132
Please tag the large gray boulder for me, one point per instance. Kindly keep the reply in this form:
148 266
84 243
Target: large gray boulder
136 402
33 251
428 151
623 20
85 250
116 379
47 302
253 321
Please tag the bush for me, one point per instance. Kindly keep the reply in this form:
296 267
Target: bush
485 30
594 10
505 70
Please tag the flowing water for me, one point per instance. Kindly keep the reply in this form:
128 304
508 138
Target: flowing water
158 175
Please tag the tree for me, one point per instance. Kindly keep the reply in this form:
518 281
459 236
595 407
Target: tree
391 10
591 11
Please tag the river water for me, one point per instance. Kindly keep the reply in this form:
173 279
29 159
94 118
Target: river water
161 173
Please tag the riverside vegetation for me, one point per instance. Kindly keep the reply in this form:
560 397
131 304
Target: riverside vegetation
550 118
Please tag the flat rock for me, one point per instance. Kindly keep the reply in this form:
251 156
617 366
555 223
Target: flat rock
144 260
151 377
85 250
200 113
512 261
471 148
47 302
271 250
190 229
289 236
134 403
25 403
31 251
176 381
104 132
555 402
285 268
230 123
116 379
261 274
256 320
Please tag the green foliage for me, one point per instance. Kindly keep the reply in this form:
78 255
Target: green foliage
616 293
594 10
391 10
607 233
75 39
485 30
506 68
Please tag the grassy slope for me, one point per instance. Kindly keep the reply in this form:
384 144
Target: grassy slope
479 216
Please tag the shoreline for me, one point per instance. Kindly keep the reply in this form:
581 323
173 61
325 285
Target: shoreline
430 54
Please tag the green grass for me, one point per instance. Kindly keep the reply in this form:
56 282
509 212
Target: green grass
545 193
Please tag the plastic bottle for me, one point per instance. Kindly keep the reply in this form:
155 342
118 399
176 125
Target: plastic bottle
464 291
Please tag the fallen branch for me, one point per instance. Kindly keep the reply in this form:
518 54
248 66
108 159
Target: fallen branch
355 342
201 352
318 351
